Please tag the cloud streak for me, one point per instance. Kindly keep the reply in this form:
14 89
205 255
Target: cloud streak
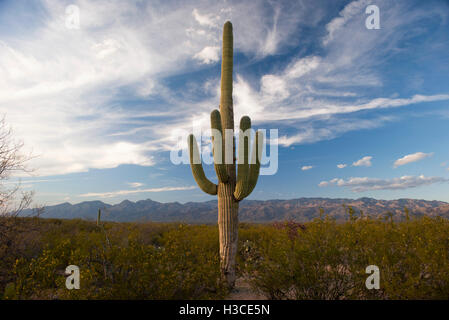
127 192
361 184
135 184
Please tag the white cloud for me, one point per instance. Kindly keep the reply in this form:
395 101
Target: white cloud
411 158
364 162
272 39
62 89
330 129
205 19
341 165
147 88
126 192
274 87
361 184
208 55
304 168
135 184
71 158
314 109
348 12
302 66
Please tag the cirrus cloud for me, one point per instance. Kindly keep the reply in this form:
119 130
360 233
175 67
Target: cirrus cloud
126 192
360 184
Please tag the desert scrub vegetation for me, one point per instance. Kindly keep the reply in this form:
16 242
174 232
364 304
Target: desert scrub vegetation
322 259
135 261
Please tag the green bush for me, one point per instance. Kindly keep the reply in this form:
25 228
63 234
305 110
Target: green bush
322 259
182 265
328 260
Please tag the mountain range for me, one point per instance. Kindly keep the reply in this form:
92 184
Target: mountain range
300 210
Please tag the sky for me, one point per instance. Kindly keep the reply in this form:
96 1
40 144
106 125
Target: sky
98 92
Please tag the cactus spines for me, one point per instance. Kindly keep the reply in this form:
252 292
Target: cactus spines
230 189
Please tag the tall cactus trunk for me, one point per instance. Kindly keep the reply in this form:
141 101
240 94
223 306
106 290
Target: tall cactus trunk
228 209
227 205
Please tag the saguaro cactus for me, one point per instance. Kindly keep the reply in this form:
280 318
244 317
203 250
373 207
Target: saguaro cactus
98 217
230 189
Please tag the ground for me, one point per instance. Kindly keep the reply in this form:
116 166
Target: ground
243 291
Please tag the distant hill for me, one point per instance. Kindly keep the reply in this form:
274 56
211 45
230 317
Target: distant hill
301 210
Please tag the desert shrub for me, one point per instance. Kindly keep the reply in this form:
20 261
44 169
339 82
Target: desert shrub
326 260
322 259
182 265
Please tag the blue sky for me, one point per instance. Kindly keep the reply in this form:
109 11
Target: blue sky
99 106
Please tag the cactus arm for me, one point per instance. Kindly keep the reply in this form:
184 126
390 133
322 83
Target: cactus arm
255 163
197 168
243 162
218 144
